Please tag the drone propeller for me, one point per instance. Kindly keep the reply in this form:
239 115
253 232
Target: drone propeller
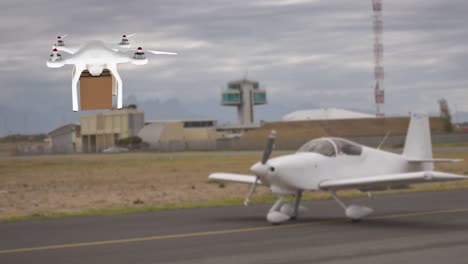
140 50
124 42
162 52
55 56
125 36
60 42
261 169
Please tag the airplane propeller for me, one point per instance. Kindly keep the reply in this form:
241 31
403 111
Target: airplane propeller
261 169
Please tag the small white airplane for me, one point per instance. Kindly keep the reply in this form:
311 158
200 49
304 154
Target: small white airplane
331 164
95 56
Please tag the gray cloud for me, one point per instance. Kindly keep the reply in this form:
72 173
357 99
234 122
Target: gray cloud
307 53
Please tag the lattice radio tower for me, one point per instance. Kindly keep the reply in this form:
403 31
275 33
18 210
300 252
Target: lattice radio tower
378 57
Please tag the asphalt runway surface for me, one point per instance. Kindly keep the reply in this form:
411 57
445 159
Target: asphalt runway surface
405 228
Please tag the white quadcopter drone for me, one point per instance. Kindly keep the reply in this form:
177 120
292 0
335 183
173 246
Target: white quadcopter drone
95 56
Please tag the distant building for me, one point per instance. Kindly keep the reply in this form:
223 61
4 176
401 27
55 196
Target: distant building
65 139
103 130
244 94
178 135
324 114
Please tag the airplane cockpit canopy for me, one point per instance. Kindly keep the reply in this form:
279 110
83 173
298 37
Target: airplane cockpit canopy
322 146
347 147
331 147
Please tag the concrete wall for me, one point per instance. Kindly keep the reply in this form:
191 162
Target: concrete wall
292 135
177 138
63 143
373 141
177 145
173 136
27 148
295 133
237 144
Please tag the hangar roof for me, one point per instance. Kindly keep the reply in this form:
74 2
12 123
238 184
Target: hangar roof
324 114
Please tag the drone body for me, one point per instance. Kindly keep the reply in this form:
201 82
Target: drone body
95 56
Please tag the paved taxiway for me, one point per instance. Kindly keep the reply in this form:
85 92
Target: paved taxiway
406 228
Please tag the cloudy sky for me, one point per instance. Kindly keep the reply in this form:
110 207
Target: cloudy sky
306 53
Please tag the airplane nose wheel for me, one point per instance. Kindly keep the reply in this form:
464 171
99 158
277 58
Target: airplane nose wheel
287 211
277 217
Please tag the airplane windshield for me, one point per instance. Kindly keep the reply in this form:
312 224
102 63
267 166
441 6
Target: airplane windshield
347 147
321 146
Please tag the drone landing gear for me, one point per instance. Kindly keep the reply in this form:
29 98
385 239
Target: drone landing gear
287 211
113 69
76 78
355 212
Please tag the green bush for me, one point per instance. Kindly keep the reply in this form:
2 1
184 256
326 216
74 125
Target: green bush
129 141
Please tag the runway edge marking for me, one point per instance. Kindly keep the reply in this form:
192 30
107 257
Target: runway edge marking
216 232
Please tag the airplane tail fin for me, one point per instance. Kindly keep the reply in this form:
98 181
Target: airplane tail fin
418 145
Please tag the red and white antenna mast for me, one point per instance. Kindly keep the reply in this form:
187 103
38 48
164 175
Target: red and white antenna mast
378 57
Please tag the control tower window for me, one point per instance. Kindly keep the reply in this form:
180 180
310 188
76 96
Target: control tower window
321 146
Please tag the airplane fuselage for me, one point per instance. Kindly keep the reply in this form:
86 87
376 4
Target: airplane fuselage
333 164
306 170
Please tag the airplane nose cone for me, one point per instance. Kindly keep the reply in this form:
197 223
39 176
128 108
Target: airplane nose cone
259 169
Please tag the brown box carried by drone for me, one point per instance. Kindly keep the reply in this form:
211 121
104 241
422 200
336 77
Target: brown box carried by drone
96 91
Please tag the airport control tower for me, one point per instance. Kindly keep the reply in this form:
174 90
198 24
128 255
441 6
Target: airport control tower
244 94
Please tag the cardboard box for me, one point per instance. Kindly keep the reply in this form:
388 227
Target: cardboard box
96 91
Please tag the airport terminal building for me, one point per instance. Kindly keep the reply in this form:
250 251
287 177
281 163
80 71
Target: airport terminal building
103 130
98 132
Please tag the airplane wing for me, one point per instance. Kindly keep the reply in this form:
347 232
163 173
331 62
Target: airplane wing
388 180
232 177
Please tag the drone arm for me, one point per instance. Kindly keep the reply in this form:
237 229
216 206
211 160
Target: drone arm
113 69
55 64
77 70
59 60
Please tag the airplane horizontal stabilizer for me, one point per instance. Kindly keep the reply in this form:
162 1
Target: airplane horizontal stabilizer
389 179
434 160
232 177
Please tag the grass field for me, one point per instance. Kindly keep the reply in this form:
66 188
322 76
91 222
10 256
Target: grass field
48 186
